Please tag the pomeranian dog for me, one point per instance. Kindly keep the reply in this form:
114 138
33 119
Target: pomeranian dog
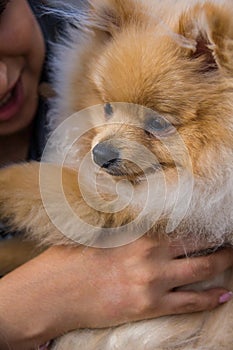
160 75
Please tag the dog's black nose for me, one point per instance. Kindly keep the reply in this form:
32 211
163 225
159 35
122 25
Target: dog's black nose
105 155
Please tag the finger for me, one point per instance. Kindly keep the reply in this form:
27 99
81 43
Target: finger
182 302
191 270
187 247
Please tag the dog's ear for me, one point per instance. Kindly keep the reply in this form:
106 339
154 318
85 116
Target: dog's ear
211 28
111 15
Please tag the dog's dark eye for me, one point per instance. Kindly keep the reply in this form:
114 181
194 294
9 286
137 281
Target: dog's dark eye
158 126
108 110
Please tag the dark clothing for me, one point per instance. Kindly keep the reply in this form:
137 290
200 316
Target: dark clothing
48 24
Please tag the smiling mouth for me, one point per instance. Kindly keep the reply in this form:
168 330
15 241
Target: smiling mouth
7 98
11 102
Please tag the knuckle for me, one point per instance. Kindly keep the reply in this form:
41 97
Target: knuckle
144 305
199 303
145 277
210 305
205 268
192 305
147 250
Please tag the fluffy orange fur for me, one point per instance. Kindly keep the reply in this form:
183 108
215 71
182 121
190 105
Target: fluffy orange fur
176 60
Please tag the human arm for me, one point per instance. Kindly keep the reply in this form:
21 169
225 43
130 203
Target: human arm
66 288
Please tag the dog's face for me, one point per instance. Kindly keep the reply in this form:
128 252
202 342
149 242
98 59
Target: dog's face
182 75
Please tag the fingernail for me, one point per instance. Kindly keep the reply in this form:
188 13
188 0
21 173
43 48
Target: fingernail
225 297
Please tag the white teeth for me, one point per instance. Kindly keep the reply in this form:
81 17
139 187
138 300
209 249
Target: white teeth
6 99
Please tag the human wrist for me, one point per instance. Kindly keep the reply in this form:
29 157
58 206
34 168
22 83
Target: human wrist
25 321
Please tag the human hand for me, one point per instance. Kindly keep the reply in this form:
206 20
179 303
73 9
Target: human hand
141 280
66 288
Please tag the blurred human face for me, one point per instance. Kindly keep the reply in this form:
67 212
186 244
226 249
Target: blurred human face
22 53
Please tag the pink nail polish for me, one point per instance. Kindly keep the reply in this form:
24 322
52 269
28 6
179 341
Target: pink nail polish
225 297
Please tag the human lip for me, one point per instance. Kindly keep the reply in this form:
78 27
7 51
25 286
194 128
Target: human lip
11 102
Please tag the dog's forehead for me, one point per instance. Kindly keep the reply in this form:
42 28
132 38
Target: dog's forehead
148 69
